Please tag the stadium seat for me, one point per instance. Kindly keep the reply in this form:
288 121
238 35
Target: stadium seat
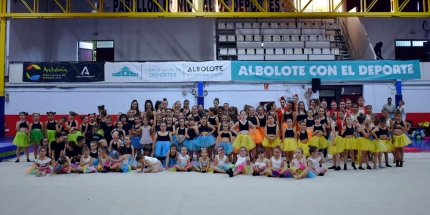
326 51
298 51
264 25
259 51
248 38
238 25
331 37
303 37
223 52
288 51
274 25
313 38
256 25
276 38
250 51
232 51
221 26
257 38
307 51
222 38
231 38
241 51
230 25
267 38
269 51
247 25
286 38
279 51
240 38
294 37
322 37
316 51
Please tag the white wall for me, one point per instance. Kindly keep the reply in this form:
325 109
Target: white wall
359 38
135 39
86 100
387 30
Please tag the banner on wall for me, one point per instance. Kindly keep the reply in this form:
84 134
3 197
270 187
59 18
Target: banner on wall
63 72
186 71
326 70
123 72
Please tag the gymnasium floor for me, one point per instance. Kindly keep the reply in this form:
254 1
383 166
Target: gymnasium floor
387 191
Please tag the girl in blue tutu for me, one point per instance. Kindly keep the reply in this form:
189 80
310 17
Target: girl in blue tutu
190 137
21 137
115 143
170 127
35 133
206 138
130 152
224 139
172 157
120 164
94 152
136 133
162 142
181 131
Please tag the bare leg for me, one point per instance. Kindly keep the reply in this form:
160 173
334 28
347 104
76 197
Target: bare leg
18 153
267 151
401 154
35 150
27 152
254 154
395 155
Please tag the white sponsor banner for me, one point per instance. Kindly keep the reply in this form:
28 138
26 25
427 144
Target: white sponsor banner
186 71
123 72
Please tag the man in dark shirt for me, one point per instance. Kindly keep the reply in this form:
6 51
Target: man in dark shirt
57 146
378 50
78 148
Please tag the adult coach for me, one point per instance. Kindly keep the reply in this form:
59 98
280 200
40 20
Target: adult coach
390 108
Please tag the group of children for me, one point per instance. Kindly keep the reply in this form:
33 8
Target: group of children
224 140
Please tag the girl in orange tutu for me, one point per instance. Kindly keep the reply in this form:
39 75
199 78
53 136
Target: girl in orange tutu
271 139
262 120
289 141
310 122
256 135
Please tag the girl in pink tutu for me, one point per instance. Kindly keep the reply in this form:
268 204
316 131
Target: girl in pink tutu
153 164
276 167
242 164
104 160
314 161
261 163
41 164
86 163
63 165
298 169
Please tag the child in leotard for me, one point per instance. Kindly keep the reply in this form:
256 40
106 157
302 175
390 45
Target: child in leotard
86 163
63 165
246 128
400 140
384 136
60 125
363 142
115 143
310 122
104 161
271 139
50 127
153 164
130 151
314 161
256 136
203 163
335 144
184 163
135 133
162 142
107 128
206 138
242 164
41 164
145 139
21 137
121 164
260 164
303 141
224 139
73 127
120 130
45 143
276 165
94 153
170 127
35 133
221 162
348 143
379 145
181 131
298 169
289 141
190 137
84 127
172 157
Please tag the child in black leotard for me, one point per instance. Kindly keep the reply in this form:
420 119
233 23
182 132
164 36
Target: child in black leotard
21 138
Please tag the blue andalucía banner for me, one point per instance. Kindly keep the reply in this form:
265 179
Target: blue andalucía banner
326 70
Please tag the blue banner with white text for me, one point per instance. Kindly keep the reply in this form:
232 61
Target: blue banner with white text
326 70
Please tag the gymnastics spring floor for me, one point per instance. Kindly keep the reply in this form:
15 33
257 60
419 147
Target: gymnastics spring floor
394 191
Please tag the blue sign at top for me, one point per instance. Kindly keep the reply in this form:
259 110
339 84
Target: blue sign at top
326 70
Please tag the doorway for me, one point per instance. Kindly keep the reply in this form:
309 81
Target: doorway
96 50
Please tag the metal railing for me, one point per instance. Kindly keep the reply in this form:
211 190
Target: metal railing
347 39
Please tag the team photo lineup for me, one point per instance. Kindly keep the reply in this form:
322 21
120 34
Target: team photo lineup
289 141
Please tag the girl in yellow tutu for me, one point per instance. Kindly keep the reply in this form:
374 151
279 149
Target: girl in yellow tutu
289 141
348 142
290 113
256 135
335 144
384 136
380 146
400 140
21 138
318 132
246 128
35 133
363 142
303 142
271 139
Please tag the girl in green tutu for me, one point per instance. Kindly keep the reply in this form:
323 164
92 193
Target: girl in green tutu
50 127
73 127
21 138
36 133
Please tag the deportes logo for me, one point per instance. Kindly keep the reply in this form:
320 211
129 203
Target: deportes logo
33 68
125 72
